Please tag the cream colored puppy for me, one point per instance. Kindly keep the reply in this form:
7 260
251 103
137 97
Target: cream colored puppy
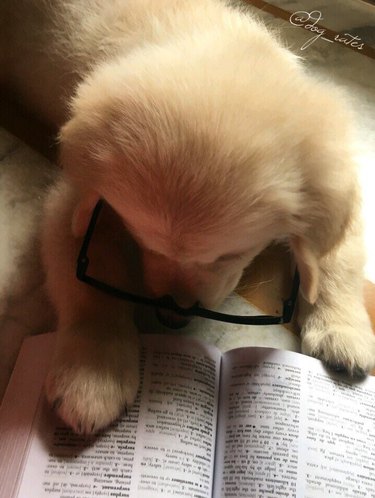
208 141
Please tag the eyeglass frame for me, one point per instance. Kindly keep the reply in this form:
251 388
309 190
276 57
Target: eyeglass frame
167 302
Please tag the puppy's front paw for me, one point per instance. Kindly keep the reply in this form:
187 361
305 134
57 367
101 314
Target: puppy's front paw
341 346
89 391
89 400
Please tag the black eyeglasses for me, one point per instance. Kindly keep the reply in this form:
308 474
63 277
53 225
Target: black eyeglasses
167 302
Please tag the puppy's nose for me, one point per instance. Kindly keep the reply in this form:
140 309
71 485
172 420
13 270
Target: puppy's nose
170 319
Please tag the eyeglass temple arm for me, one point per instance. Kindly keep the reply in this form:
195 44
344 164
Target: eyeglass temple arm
290 303
82 260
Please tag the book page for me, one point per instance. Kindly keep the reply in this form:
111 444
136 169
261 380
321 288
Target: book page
339 436
19 406
258 438
288 428
163 446
176 438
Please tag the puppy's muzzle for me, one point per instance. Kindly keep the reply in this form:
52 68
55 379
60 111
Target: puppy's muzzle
170 319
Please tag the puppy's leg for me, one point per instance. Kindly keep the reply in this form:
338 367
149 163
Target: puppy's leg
337 328
94 373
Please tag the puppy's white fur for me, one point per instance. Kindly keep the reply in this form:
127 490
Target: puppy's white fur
209 141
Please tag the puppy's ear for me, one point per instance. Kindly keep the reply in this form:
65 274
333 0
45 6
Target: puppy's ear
82 213
308 268
328 209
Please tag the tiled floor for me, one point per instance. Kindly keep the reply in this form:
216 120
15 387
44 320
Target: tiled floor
25 175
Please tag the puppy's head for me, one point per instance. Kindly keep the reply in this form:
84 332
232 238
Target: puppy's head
205 168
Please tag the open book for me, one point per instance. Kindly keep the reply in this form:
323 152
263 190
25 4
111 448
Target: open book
252 422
